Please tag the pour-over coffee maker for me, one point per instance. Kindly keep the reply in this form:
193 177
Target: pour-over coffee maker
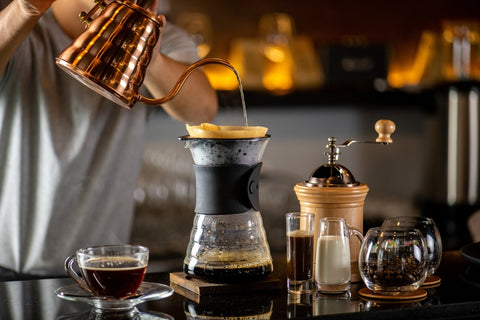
227 241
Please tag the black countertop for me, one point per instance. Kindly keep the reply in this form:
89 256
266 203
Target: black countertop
457 297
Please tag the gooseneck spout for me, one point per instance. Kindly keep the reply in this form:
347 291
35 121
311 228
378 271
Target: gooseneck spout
181 81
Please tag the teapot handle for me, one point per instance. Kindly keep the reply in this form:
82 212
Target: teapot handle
184 77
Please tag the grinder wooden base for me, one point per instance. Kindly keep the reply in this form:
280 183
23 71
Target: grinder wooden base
187 285
337 202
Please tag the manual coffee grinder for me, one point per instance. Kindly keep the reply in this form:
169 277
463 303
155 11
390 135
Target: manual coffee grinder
227 242
332 191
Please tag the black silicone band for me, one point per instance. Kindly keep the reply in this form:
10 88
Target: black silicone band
227 189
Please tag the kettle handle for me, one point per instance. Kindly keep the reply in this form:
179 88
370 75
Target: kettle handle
87 17
184 77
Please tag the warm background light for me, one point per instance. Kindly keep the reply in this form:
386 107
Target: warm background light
414 44
221 77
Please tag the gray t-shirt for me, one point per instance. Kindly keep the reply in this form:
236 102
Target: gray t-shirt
69 158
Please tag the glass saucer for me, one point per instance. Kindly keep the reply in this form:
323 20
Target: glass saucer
148 291
108 315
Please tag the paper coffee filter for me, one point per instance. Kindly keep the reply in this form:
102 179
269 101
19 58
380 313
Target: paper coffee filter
212 131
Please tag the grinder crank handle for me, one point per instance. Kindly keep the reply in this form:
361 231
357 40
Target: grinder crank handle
384 128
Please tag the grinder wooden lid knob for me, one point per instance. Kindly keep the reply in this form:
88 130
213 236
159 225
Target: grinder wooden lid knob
385 128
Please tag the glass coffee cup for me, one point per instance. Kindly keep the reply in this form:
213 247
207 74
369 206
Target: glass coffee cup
300 244
430 232
393 261
113 270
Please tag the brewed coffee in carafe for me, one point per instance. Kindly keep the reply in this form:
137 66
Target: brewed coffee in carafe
228 241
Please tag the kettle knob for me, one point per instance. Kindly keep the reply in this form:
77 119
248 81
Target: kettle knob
384 128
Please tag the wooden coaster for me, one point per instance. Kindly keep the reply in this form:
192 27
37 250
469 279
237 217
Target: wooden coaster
414 295
201 287
432 281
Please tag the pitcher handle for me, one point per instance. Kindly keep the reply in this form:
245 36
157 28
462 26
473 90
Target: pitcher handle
355 232
69 262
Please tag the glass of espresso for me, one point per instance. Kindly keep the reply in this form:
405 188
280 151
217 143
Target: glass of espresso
300 235
113 270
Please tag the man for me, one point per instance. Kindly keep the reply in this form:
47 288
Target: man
69 158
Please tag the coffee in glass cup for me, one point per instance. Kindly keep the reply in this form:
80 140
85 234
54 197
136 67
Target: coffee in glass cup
112 270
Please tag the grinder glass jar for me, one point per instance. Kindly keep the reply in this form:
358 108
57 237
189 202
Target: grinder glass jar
393 260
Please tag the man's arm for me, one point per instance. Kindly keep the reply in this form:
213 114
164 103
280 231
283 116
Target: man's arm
196 102
16 21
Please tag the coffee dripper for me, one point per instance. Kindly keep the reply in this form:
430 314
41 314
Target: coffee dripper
228 241
111 55
332 191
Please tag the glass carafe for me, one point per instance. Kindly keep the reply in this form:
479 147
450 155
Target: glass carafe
228 241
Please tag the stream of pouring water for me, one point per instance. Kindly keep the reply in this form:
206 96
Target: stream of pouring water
242 97
226 64
188 72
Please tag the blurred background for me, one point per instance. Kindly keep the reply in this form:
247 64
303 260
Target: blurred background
316 69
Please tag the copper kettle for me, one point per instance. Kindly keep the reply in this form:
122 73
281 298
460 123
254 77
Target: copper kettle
110 56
